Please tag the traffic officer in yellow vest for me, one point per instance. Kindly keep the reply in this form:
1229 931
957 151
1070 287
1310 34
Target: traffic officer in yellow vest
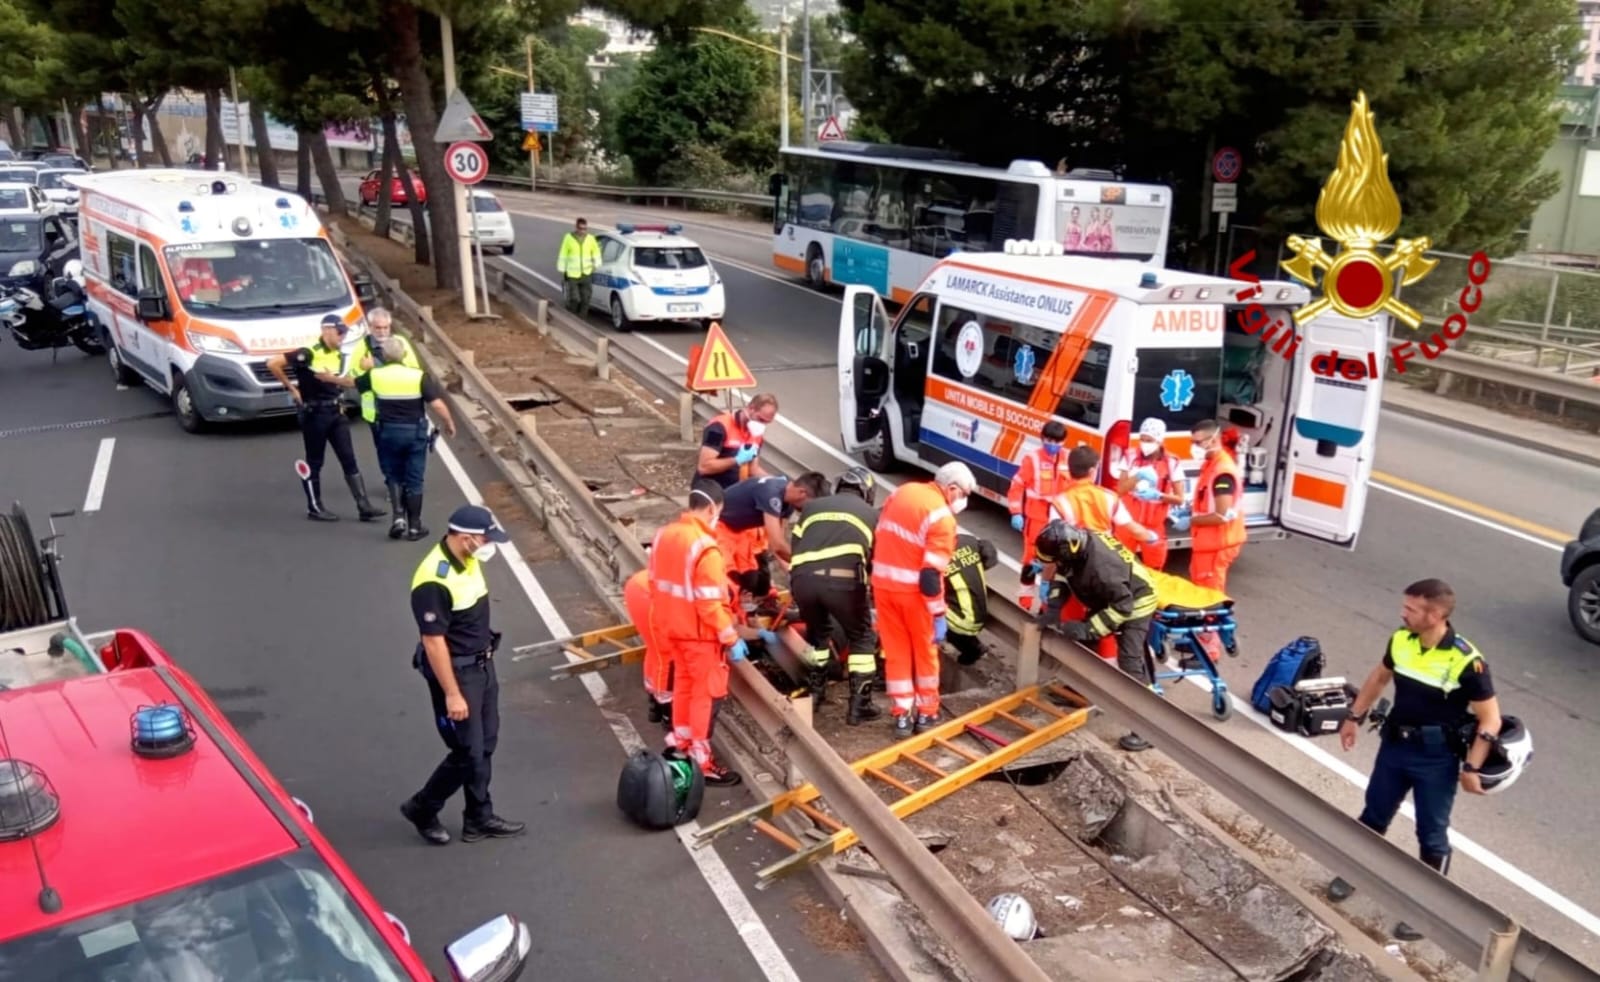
318 371
966 594
400 392
450 601
580 256
380 328
1440 682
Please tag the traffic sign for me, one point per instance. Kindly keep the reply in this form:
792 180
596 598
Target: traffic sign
540 112
830 130
1227 165
719 366
530 142
1224 199
466 163
461 122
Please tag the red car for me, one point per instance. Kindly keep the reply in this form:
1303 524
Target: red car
140 838
373 183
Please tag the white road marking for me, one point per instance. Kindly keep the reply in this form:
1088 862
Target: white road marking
763 947
97 477
1506 870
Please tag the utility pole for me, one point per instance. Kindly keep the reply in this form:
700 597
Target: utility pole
533 155
805 89
469 292
783 78
238 122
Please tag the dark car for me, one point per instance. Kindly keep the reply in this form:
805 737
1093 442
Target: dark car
1580 573
44 240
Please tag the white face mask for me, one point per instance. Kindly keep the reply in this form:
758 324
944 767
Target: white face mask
755 427
959 505
485 552
1149 449
1197 452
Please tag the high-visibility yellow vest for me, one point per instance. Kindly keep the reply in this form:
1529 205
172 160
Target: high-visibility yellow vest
467 585
578 259
369 402
1437 668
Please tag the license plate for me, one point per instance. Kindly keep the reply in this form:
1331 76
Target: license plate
682 308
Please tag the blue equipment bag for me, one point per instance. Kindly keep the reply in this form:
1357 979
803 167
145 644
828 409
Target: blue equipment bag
1296 661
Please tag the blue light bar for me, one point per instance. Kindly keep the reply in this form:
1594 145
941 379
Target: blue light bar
185 207
283 202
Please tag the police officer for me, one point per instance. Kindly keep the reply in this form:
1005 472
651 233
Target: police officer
1440 682
450 600
828 569
966 594
400 392
380 328
579 257
1118 593
315 388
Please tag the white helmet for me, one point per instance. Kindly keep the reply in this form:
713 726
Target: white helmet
73 271
956 474
1508 757
1015 916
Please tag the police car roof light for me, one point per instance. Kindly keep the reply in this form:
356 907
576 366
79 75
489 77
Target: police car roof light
664 229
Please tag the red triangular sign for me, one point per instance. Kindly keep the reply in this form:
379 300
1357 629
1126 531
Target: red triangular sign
719 366
830 130
484 132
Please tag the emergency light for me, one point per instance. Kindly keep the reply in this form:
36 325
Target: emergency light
161 731
664 229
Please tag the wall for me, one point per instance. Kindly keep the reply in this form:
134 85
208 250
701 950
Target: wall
1569 221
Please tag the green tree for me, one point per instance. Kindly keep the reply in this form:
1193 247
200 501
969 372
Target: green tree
26 51
494 76
615 84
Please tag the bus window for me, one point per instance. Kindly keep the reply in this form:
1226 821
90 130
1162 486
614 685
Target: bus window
1009 360
1180 386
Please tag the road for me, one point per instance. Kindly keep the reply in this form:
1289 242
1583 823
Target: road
1485 515
301 632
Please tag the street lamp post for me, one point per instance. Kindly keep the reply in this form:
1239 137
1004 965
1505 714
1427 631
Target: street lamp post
805 89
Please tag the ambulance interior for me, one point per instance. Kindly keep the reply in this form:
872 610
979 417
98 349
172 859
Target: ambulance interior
1252 402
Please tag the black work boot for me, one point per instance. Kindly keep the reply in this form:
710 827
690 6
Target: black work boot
1440 862
817 683
426 825
397 505
358 491
660 712
925 722
861 708
493 827
314 510
718 776
902 726
415 530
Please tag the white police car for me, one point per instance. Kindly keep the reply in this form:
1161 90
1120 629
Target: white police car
652 273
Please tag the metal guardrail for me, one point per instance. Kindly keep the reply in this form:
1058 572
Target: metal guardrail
620 191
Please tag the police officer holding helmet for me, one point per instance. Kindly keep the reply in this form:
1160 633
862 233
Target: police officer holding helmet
450 600
828 569
1440 681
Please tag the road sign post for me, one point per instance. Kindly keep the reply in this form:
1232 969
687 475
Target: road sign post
540 113
467 164
457 124
717 366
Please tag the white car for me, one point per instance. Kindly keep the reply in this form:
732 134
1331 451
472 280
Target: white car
52 181
494 223
652 273
27 199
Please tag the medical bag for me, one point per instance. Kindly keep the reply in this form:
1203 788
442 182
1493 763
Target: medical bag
1314 707
1296 661
659 791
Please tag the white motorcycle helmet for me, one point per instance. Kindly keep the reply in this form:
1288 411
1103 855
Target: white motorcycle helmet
1508 757
1015 916
73 271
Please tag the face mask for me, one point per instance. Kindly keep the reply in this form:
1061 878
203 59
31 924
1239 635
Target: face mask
1197 452
755 427
1052 448
959 505
485 552
1149 449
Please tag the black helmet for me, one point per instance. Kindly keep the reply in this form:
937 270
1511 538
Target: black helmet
1061 543
988 554
859 480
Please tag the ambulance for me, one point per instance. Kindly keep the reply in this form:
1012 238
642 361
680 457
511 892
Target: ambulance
197 278
993 345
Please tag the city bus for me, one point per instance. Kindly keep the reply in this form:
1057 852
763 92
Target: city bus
882 216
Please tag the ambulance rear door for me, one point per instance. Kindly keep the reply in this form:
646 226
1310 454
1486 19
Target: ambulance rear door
863 366
1331 440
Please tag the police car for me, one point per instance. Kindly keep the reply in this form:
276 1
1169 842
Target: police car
652 273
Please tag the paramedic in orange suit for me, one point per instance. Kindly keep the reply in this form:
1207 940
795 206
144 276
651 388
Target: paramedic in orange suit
911 548
1149 506
1040 477
1217 525
689 617
657 665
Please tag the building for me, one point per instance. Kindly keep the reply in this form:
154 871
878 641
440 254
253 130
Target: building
621 39
1587 70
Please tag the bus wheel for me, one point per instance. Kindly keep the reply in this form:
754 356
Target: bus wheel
816 269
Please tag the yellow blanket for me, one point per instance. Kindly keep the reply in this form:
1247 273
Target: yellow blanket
1177 592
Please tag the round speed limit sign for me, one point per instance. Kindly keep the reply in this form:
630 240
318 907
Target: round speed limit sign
466 163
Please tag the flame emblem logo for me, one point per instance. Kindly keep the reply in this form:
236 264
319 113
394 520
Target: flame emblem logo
1359 209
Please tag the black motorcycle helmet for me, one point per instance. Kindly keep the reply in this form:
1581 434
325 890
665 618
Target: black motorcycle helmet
859 480
1062 544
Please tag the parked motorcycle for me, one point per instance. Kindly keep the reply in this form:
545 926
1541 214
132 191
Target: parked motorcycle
53 320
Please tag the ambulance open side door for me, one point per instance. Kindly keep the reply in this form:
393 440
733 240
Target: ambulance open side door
1330 441
863 366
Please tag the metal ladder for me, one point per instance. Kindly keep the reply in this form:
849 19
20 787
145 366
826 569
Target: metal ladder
1068 712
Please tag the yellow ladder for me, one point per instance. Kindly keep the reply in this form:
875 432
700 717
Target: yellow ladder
936 783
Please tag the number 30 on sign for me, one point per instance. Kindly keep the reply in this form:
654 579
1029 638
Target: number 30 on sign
466 163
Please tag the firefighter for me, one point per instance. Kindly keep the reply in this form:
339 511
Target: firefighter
657 660
732 441
316 392
1040 477
689 617
1117 593
966 594
1217 524
912 543
828 578
577 261
1150 481
751 532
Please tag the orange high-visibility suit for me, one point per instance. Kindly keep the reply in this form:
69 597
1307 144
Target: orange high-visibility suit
1087 505
1151 514
657 661
1039 478
725 435
690 619
916 531
1216 546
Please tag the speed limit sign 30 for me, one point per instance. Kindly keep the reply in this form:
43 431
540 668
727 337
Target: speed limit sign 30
466 163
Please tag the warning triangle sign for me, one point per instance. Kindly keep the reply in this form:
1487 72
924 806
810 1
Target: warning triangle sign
460 121
830 130
719 366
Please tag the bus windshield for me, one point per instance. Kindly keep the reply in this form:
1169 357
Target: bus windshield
263 278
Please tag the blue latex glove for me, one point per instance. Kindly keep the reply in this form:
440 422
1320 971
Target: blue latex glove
940 628
738 651
1036 566
769 639
746 454
1016 522
1179 517
1148 492
1044 592
1148 484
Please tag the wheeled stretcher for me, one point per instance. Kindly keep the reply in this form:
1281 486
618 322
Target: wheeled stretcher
1194 626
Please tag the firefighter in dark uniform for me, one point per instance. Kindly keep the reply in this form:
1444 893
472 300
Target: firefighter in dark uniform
828 569
1116 590
315 389
450 600
1440 683
966 595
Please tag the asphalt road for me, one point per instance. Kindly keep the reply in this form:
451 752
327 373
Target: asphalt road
302 634
1485 515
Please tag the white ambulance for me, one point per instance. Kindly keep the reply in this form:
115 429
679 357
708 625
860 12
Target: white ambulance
197 278
993 345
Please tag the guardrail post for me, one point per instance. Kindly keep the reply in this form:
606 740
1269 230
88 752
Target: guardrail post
686 416
1495 965
602 358
1028 656
469 358
541 316
497 282
427 318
